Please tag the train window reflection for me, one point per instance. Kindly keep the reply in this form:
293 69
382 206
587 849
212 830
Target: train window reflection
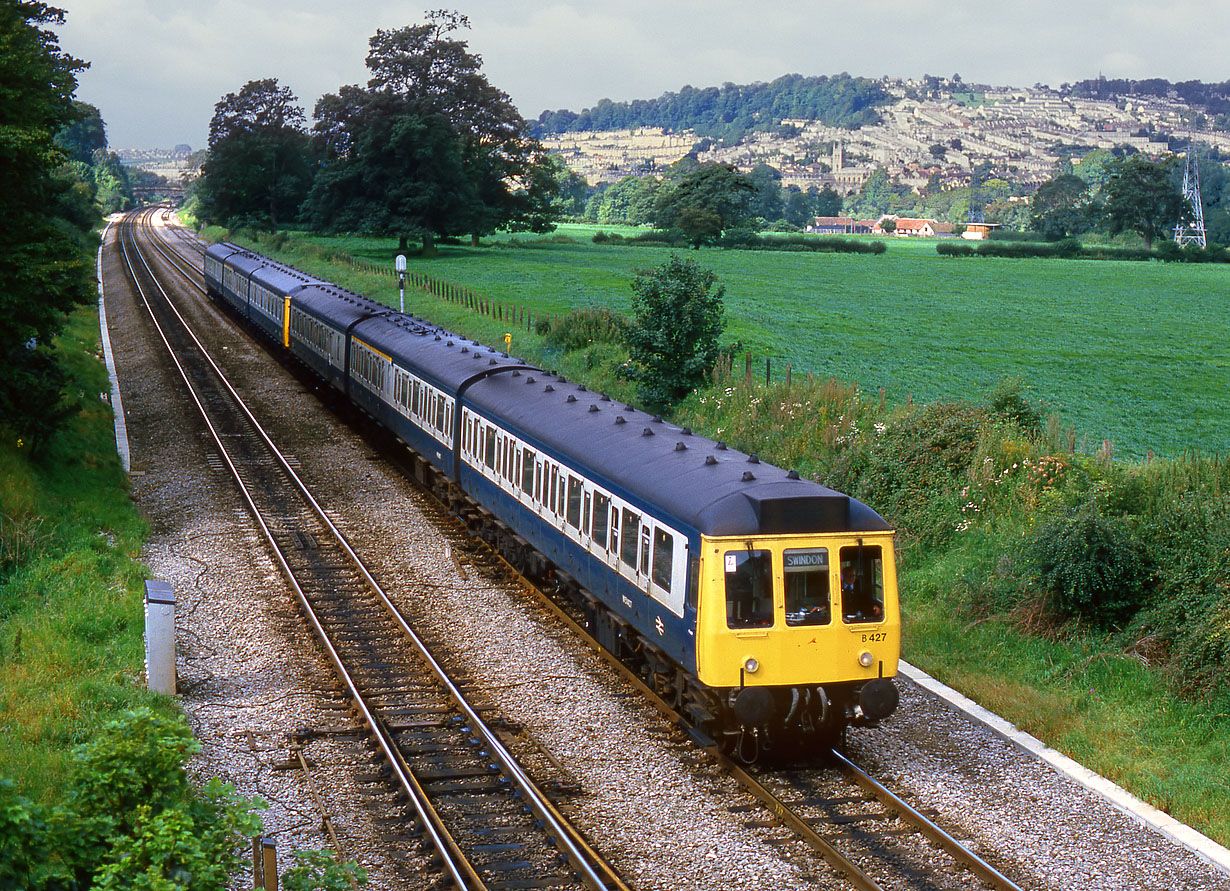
602 509
631 523
862 585
749 588
663 558
807 586
574 502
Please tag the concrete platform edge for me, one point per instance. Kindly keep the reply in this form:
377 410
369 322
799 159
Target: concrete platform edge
1201 845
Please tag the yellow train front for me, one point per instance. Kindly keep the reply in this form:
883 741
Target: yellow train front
797 635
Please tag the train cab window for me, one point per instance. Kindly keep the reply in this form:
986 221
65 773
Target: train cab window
489 447
632 523
749 588
574 502
807 586
862 584
663 558
527 470
602 513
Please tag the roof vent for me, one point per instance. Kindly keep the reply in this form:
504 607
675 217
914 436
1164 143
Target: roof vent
450 343
753 459
593 407
657 419
680 447
571 398
686 431
505 355
605 398
748 476
531 380
493 362
721 446
516 374
619 419
477 356
646 432
465 349
548 389
438 337
629 407
792 474
710 460
580 388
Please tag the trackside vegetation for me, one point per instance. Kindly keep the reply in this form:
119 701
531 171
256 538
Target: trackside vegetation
1084 596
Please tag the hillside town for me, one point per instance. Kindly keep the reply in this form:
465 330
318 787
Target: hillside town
925 135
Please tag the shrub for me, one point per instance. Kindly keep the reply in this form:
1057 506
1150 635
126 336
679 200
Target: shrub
1093 567
584 326
954 249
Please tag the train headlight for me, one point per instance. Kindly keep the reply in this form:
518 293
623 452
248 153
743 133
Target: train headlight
865 658
751 665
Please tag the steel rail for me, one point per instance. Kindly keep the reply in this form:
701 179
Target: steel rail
927 827
580 855
448 851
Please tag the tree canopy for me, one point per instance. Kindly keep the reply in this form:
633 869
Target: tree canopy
706 200
1141 197
43 269
259 167
1061 207
429 148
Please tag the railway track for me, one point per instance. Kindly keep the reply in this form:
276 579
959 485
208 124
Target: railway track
466 796
864 831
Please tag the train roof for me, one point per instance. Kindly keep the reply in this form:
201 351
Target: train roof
716 490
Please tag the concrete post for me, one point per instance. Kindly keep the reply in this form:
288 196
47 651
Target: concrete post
160 636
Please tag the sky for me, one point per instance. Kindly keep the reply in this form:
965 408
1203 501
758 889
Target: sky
159 66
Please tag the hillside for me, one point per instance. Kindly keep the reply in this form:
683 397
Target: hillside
732 111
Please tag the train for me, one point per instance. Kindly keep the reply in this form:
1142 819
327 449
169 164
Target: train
763 605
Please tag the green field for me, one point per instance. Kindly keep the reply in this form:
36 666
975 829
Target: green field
1132 352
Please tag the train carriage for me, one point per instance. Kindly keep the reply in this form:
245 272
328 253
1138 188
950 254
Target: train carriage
767 604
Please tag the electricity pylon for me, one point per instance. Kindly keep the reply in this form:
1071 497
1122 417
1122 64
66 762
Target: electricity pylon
1191 227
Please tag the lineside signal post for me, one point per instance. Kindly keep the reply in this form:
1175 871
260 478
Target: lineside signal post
400 265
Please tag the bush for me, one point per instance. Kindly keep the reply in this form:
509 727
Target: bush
1093 567
585 326
954 249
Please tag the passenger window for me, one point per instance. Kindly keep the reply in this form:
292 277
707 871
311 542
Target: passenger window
645 549
585 515
749 588
538 482
489 447
527 470
574 502
663 558
613 544
552 503
632 523
440 413
602 511
862 585
807 586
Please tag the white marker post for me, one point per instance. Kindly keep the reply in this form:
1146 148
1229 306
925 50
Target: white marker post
400 265
160 637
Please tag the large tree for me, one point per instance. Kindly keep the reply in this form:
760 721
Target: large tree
1061 207
259 166
43 271
462 156
705 201
1141 197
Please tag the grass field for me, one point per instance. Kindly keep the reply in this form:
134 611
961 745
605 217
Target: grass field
1131 352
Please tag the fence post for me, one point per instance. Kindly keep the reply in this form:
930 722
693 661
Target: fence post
747 370
787 375
768 369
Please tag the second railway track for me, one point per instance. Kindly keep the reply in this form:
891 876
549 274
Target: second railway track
466 795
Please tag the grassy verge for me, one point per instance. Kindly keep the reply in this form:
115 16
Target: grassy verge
71 617
970 485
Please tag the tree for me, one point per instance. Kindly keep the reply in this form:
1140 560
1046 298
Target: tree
44 272
1061 207
889 225
767 202
678 318
428 95
1141 197
705 201
259 166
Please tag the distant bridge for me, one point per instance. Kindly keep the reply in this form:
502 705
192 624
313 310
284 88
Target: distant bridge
144 193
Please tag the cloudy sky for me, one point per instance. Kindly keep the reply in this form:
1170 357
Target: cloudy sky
158 66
